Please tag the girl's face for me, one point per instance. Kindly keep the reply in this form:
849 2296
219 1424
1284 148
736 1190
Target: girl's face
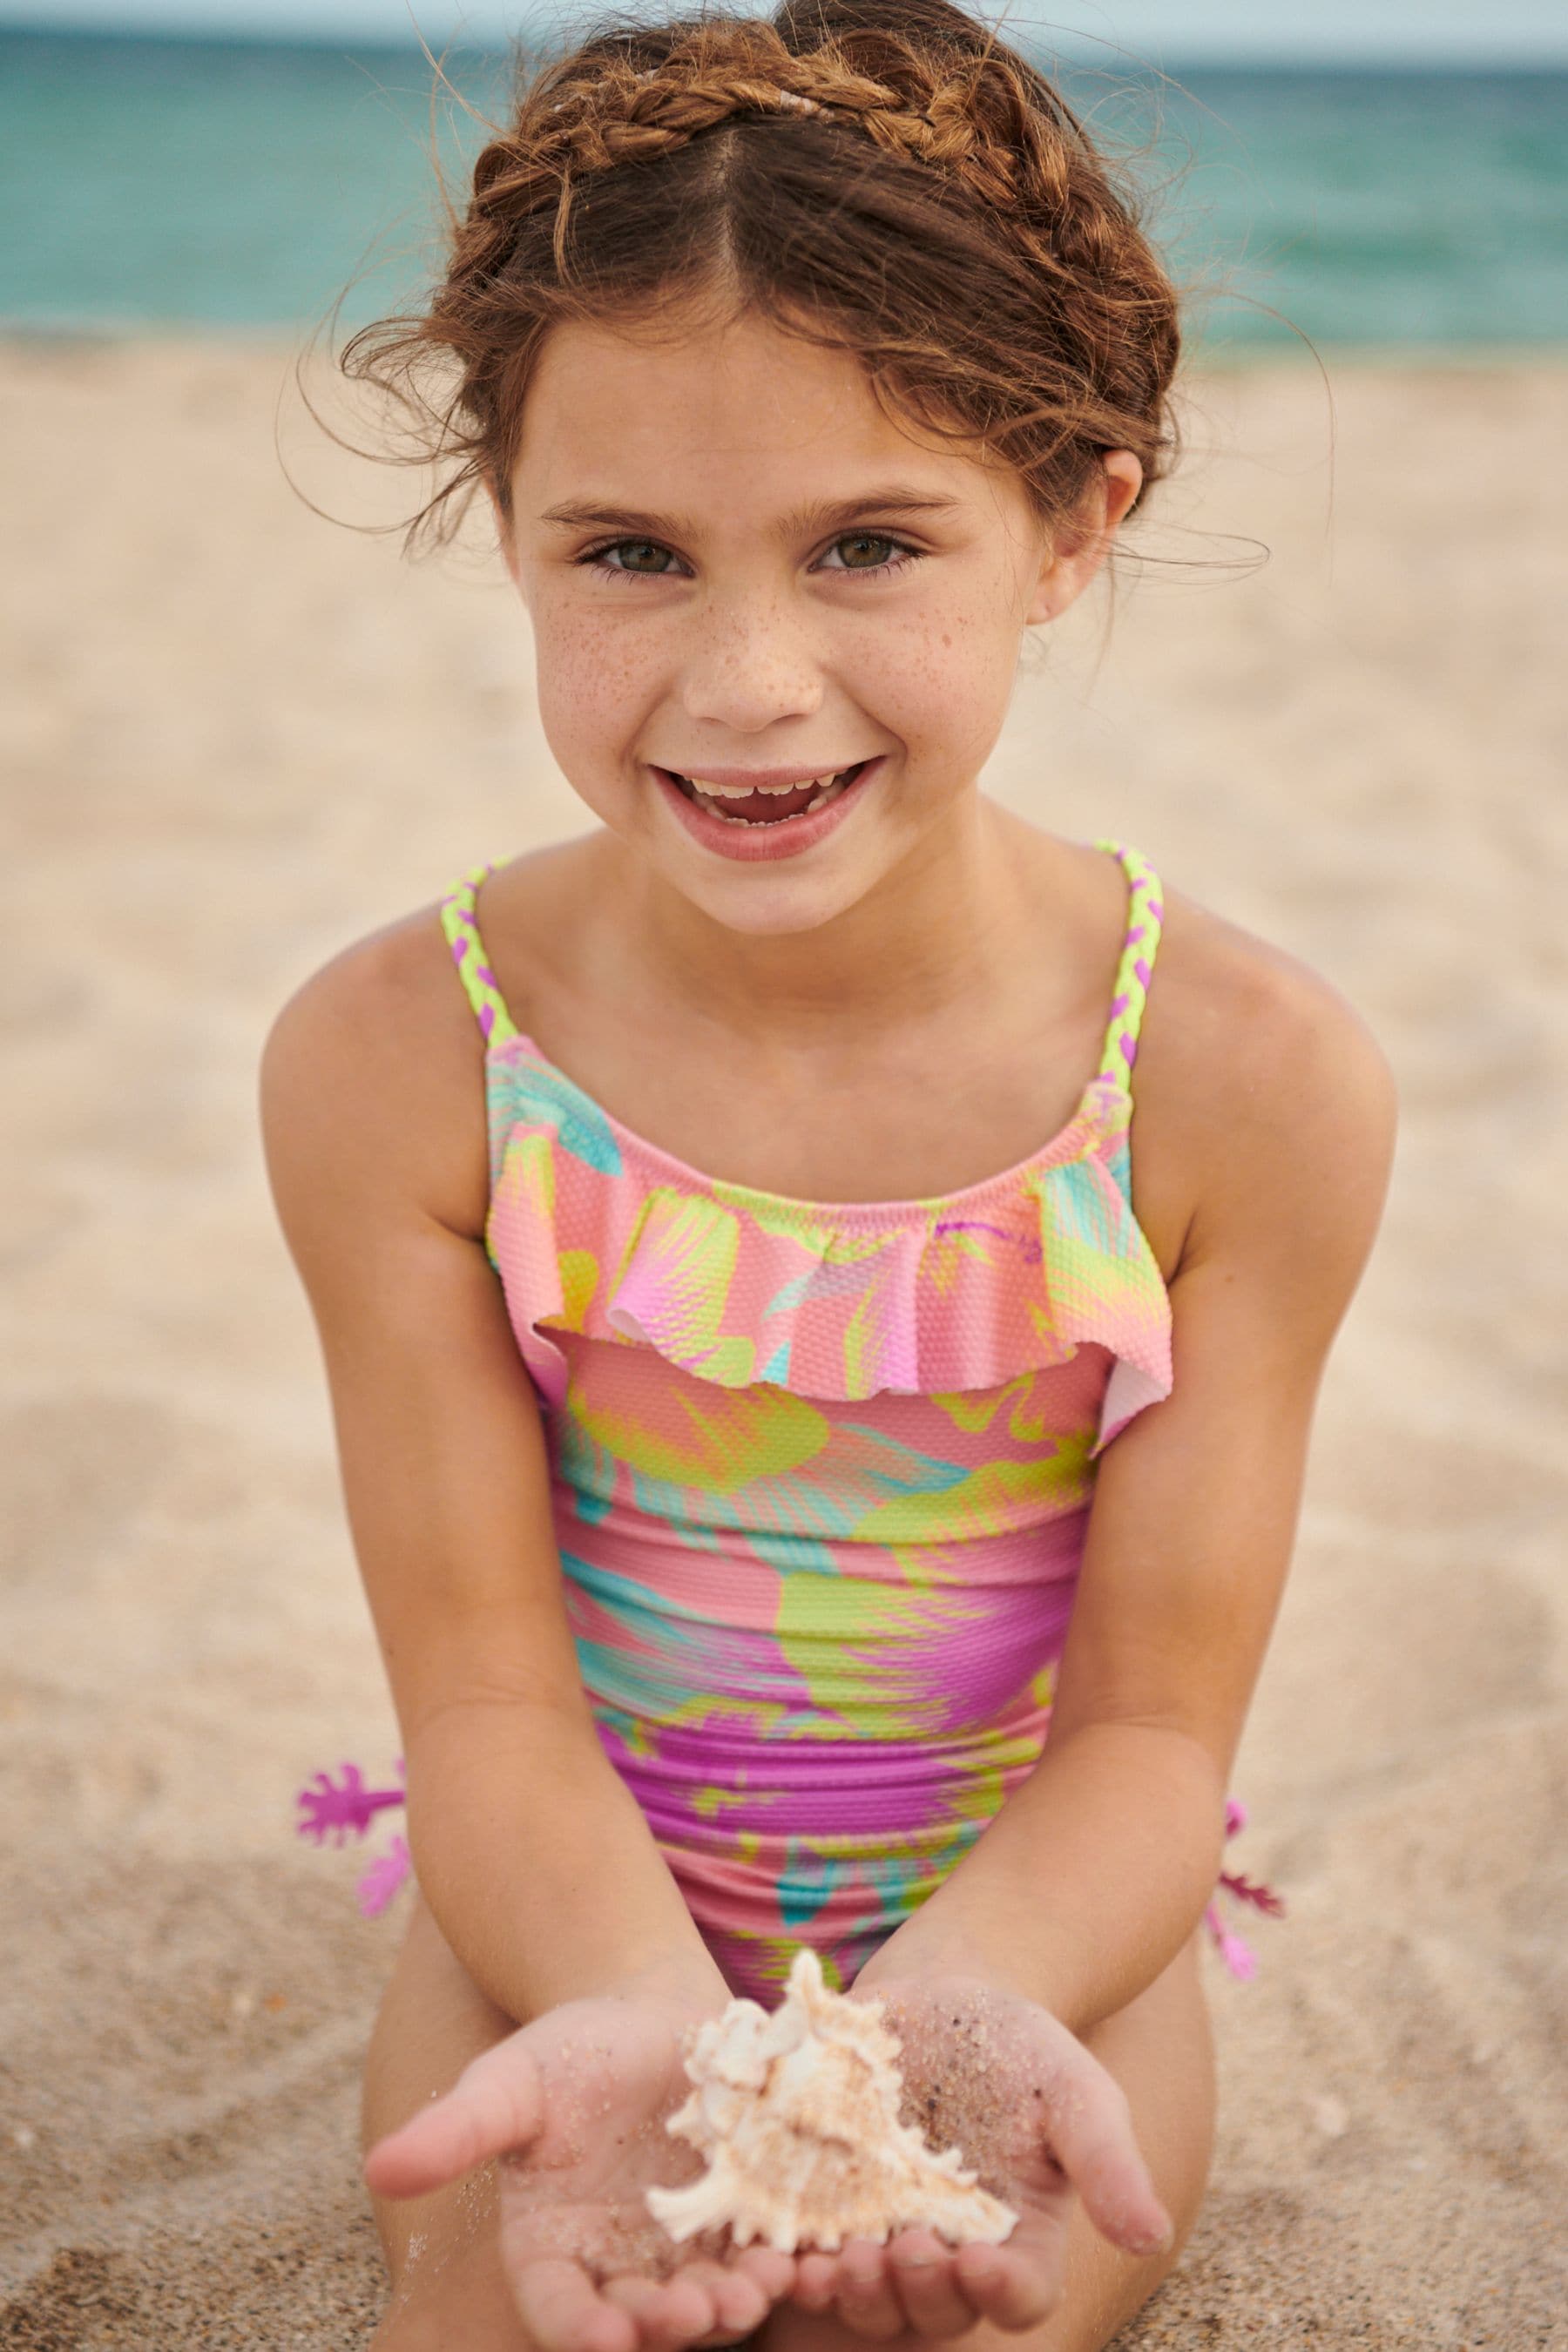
741 573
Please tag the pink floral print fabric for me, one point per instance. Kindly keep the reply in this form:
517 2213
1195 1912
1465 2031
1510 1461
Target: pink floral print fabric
821 1473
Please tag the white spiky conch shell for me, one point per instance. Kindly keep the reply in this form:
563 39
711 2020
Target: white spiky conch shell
798 2114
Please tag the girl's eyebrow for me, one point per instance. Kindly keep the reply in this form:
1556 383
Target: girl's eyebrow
801 523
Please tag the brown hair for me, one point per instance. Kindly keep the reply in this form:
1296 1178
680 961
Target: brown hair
886 178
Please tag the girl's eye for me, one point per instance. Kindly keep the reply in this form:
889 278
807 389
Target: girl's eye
863 540
637 549
650 560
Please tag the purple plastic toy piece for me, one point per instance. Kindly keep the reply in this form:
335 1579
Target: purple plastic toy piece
383 1879
329 1810
1234 1951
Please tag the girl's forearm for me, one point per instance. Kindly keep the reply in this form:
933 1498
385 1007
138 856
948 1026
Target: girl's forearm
1090 1879
538 1866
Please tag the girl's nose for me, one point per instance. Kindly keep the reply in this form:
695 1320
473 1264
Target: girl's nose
749 670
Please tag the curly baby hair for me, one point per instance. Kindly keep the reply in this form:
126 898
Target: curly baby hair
885 177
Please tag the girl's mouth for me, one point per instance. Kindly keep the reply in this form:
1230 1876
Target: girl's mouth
767 821
772 803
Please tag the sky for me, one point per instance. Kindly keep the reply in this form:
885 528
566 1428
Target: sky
1163 32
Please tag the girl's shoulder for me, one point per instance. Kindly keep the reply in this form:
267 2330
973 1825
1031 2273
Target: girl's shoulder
371 1071
367 1084
365 1112
1258 1083
1221 985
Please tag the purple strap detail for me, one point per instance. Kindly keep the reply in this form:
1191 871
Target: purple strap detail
1129 1050
487 1020
1141 969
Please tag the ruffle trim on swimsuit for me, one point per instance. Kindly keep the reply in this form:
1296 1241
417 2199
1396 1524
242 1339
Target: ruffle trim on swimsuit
597 1233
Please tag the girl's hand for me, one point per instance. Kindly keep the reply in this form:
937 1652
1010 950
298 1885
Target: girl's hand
575 2105
1037 2117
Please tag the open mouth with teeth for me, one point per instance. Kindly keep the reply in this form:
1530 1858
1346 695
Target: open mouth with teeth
765 804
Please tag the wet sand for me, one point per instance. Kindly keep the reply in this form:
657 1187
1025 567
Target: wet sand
236 738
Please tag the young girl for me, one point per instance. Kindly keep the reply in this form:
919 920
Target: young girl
772 1394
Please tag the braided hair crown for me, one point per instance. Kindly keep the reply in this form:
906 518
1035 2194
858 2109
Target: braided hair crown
715 70
888 177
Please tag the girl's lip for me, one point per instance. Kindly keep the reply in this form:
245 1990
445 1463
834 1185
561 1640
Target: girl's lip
787 837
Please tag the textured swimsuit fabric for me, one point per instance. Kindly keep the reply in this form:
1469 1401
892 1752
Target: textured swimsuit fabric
821 1474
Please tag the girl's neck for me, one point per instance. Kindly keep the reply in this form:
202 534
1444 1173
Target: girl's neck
939 931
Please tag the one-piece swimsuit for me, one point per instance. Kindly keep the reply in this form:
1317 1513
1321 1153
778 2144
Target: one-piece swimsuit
821 1476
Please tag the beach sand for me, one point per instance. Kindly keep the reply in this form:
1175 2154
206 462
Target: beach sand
236 738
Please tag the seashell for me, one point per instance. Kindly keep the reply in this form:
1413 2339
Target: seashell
798 2114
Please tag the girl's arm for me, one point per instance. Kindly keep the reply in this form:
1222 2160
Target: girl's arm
1097 1870
533 1858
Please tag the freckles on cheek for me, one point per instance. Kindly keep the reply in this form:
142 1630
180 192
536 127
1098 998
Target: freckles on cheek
594 683
941 678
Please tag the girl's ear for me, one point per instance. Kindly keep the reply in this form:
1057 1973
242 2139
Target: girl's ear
1072 558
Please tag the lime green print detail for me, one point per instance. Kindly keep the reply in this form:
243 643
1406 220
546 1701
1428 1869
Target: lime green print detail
707 1803
991 1500
713 1439
1026 1401
528 1175
579 1280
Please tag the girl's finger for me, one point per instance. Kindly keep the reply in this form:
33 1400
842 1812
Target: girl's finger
866 2300
814 2275
669 2314
1089 2125
923 2276
774 2272
563 2312
1008 2289
496 2105
739 2302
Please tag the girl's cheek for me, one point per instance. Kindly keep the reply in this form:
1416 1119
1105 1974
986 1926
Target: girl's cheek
944 682
597 685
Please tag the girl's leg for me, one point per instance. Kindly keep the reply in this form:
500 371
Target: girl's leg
1160 2051
449 2293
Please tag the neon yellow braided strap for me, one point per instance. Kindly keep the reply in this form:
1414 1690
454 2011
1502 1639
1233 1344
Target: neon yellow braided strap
458 922
1145 914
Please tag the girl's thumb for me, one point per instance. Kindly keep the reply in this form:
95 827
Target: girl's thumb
496 2105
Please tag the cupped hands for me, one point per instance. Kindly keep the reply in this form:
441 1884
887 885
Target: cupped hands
1040 2121
574 2104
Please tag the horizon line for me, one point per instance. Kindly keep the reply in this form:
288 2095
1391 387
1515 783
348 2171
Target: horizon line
1504 60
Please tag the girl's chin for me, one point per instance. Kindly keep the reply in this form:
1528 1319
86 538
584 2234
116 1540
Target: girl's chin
739 843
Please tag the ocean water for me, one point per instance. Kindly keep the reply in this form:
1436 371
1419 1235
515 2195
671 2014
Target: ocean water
151 182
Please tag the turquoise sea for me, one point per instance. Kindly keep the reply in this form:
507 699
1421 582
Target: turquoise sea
150 183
